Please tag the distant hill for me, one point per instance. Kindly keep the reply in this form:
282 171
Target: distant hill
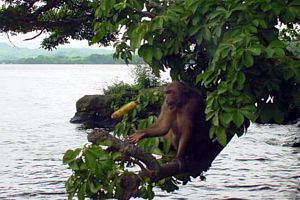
15 55
8 52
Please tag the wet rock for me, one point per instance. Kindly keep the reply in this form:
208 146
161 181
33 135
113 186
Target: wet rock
93 111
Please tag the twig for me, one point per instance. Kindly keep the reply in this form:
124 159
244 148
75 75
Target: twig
8 37
40 33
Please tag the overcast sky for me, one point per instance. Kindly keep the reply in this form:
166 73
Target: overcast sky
18 41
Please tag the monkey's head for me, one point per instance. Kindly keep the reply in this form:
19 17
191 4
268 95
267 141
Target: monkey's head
176 94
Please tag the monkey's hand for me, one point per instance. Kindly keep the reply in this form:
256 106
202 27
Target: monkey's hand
136 136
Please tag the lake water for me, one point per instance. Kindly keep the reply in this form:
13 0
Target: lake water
37 101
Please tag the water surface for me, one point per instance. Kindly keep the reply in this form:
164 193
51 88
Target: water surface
37 101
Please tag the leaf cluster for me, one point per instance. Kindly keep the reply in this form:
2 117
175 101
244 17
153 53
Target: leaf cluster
242 55
59 20
235 51
96 173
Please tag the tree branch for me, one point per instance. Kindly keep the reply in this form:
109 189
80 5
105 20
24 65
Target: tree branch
40 33
125 148
154 170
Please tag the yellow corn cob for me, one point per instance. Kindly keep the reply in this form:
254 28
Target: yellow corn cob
123 110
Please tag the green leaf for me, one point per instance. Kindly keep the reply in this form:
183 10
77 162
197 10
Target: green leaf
193 30
222 88
116 155
83 167
241 78
218 31
279 52
149 144
212 131
107 143
120 6
289 15
136 4
137 35
98 12
166 146
146 53
90 159
157 53
98 36
248 111
238 118
256 51
71 186
81 192
248 59
276 44
94 189
221 136
71 155
106 5
255 22
199 38
225 118
269 52
74 165
110 189
206 33
215 120
157 23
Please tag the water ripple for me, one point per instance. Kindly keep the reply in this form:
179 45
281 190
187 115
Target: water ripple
35 133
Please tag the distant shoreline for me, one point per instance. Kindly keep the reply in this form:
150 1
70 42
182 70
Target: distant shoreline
91 59
12 55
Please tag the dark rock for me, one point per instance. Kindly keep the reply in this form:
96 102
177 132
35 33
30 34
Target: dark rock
94 111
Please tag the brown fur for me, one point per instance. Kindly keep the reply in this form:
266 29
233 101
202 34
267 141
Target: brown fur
181 121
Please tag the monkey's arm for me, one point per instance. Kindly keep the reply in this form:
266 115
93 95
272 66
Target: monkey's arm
160 127
184 138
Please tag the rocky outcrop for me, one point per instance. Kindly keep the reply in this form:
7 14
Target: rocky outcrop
94 111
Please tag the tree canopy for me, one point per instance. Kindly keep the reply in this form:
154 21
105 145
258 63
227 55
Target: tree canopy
242 54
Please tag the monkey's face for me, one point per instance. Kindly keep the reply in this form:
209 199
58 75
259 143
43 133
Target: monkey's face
171 97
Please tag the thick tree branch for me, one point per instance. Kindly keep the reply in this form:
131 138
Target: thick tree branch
155 171
125 148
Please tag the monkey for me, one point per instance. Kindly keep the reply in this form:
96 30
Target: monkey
181 121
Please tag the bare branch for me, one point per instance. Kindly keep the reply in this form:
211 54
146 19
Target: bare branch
40 33
8 37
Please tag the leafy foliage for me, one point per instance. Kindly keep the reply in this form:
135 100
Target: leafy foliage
233 50
144 78
95 172
239 53
242 55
